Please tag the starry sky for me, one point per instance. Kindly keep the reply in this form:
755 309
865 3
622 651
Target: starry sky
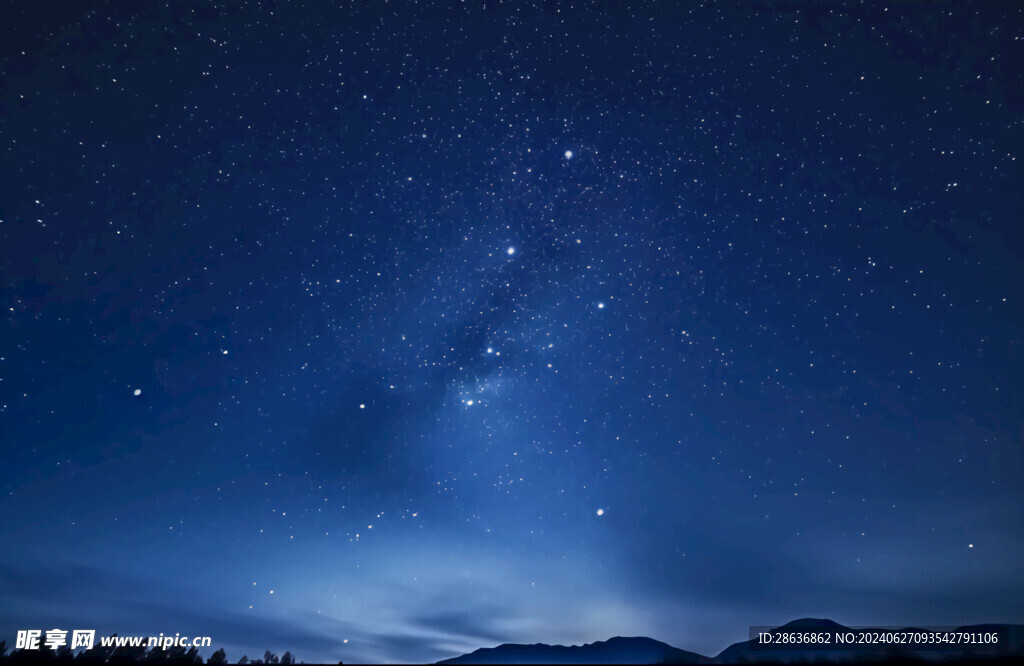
389 331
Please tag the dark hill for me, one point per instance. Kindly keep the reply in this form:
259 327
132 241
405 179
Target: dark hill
616 650
620 650
745 652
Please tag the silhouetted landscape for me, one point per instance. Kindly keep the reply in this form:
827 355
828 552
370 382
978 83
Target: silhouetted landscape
133 655
617 650
744 652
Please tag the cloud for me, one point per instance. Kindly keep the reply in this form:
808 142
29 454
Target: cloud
394 647
472 625
245 630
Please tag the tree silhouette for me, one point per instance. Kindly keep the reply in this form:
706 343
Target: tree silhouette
44 653
176 653
157 654
127 654
97 654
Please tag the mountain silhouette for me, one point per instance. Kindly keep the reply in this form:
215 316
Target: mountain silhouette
641 650
745 652
616 650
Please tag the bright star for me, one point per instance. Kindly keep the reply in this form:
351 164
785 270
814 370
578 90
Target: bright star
138 392
600 512
469 403
600 306
568 154
361 406
511 251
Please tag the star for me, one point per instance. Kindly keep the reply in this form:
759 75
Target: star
568 154
137 392
600 512
510 251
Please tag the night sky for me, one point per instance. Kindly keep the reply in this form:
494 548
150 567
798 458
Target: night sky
391 331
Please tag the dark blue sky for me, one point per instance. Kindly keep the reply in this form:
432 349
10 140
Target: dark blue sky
428 327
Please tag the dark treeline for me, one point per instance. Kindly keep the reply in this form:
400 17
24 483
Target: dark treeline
130 655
